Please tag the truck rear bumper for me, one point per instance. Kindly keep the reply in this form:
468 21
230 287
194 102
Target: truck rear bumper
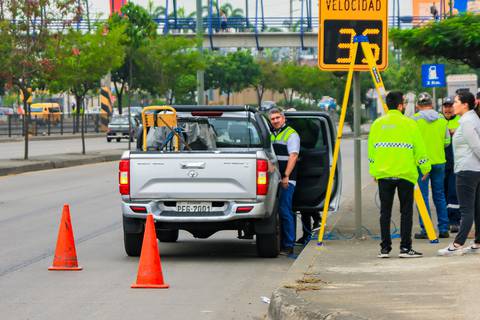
224 214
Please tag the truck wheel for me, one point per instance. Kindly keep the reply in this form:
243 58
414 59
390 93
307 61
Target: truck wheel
133 243
268 245
118 139
109 140
167 235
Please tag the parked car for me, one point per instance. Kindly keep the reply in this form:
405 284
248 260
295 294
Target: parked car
46 111
223 183
267 105
118 128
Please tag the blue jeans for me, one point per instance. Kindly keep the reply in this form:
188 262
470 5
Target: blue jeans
451 194
437 175
287 217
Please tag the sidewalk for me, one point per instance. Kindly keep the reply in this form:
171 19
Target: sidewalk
15 166
344 280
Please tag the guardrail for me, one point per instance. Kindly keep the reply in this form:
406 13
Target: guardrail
13 125
270 24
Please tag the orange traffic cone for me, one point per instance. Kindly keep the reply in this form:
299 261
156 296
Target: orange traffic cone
65 253
149 269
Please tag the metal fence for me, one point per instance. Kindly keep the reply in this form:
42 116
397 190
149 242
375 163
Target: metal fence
13 125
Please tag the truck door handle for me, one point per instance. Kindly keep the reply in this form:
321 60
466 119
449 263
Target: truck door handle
193 165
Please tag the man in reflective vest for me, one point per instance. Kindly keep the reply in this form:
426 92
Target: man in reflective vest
434 130
449 182
395 149
286 144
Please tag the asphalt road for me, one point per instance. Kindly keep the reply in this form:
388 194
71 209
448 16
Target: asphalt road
15 150
217 278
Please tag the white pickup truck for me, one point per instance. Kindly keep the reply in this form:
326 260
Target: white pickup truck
224 183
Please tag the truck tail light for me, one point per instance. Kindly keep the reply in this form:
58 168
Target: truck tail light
124 177
262 177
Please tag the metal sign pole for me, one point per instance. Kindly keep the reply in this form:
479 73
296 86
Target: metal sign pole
357 154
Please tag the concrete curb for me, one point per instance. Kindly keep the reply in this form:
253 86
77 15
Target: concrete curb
285 304
10 167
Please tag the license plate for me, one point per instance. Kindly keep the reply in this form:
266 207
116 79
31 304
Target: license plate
194 206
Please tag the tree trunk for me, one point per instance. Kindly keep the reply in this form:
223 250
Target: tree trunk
79 102
26 121
228 97
260 93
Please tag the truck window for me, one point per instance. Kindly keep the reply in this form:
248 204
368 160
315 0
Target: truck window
235 133
310 131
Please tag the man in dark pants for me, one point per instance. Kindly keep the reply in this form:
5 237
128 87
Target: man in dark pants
286 144
449 182
307 226
395 149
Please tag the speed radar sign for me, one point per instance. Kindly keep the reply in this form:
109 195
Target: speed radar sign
340 21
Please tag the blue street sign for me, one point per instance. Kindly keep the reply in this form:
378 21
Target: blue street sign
433 75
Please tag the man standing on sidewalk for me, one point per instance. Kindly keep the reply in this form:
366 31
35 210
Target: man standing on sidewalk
286 143
434 130
395 149
449 183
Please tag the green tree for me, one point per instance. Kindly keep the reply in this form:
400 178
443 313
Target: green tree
314 84
289 81
83 59
167 66
456 38
269 75
24 39
155 12
232 72
139 28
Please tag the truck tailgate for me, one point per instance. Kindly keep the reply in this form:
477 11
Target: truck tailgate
193 176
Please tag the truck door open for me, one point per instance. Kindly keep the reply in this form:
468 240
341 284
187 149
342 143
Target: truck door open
317 136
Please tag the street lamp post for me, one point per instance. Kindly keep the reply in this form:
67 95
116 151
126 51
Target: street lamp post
200 73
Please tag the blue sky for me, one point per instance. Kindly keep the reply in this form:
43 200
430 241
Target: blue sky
274 8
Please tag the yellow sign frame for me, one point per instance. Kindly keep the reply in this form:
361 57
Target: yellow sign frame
380 87
353 11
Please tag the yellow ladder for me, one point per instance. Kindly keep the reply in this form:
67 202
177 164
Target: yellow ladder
379 86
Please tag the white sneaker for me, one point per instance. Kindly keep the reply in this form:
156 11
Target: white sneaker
473 248
451 250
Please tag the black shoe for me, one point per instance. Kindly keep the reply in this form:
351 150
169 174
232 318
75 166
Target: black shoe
409 253
302 240
384 253
444 234
420 235
286 251
454 228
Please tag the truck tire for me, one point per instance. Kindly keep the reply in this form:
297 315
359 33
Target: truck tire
133 243
167 235
268 244
108 139
119 139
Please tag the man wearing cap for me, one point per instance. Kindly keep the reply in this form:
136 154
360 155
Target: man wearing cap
449 183
286 144
436 136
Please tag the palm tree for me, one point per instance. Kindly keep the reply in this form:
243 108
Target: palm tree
156 12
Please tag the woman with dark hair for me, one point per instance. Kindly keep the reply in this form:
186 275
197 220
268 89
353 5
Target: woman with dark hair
466 150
